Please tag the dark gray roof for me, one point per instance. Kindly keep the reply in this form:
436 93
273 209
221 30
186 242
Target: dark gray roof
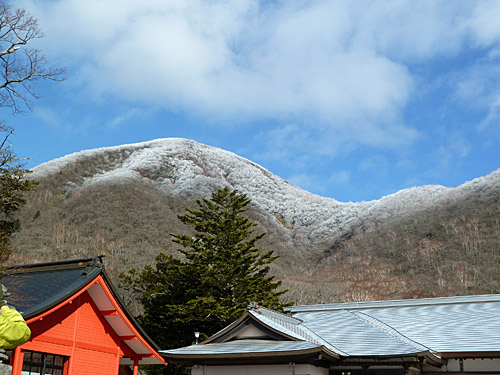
35 288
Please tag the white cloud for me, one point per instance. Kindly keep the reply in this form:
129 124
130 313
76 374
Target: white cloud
340 178
298 146
337 69
484 23
478 87
450 154
48 116
491 123
123 116
374 163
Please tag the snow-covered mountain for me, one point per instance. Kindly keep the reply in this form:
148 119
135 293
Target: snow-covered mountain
184 168
303 227
181 167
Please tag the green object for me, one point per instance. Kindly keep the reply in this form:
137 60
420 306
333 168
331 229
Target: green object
13 329
220 273
13 187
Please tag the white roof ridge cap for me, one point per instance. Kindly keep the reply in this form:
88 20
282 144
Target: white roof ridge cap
484 298
260 317
305 335
389 330
273 313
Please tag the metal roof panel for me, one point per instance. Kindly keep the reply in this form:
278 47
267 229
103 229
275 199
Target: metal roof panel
447 328
241 347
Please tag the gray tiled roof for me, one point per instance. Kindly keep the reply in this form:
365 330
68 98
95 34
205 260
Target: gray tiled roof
37 287
449 324
447 328
293 328
393 303
376 329
356 336
244 346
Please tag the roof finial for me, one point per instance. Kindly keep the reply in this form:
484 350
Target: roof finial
254 306
92 264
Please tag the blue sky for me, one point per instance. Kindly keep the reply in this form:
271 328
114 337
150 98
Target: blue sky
348 99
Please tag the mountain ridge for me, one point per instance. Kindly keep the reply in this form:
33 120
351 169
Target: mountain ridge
303 207
311 233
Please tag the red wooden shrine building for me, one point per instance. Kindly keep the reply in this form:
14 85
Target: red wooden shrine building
78 324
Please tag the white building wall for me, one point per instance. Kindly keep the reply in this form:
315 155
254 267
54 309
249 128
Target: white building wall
259 370
250 332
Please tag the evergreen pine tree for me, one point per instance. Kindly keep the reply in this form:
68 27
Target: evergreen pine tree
220 272
13 187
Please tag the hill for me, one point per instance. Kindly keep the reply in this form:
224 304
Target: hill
124 200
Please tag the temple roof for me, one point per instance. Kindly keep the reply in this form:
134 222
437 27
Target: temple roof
405 331
442 325
38 289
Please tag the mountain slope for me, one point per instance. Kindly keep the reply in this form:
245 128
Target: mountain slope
125 199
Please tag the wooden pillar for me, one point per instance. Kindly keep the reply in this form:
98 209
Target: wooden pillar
136 366
17 361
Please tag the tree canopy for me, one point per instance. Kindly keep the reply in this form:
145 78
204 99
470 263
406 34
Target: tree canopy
13 185
218 272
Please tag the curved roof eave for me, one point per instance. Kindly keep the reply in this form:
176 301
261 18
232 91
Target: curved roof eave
119 318
145 349
262 351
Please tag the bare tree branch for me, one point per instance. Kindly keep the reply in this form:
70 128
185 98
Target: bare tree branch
21 66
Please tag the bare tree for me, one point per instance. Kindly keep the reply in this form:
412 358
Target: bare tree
21 66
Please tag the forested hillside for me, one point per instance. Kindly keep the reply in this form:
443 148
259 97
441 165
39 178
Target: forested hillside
124 201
